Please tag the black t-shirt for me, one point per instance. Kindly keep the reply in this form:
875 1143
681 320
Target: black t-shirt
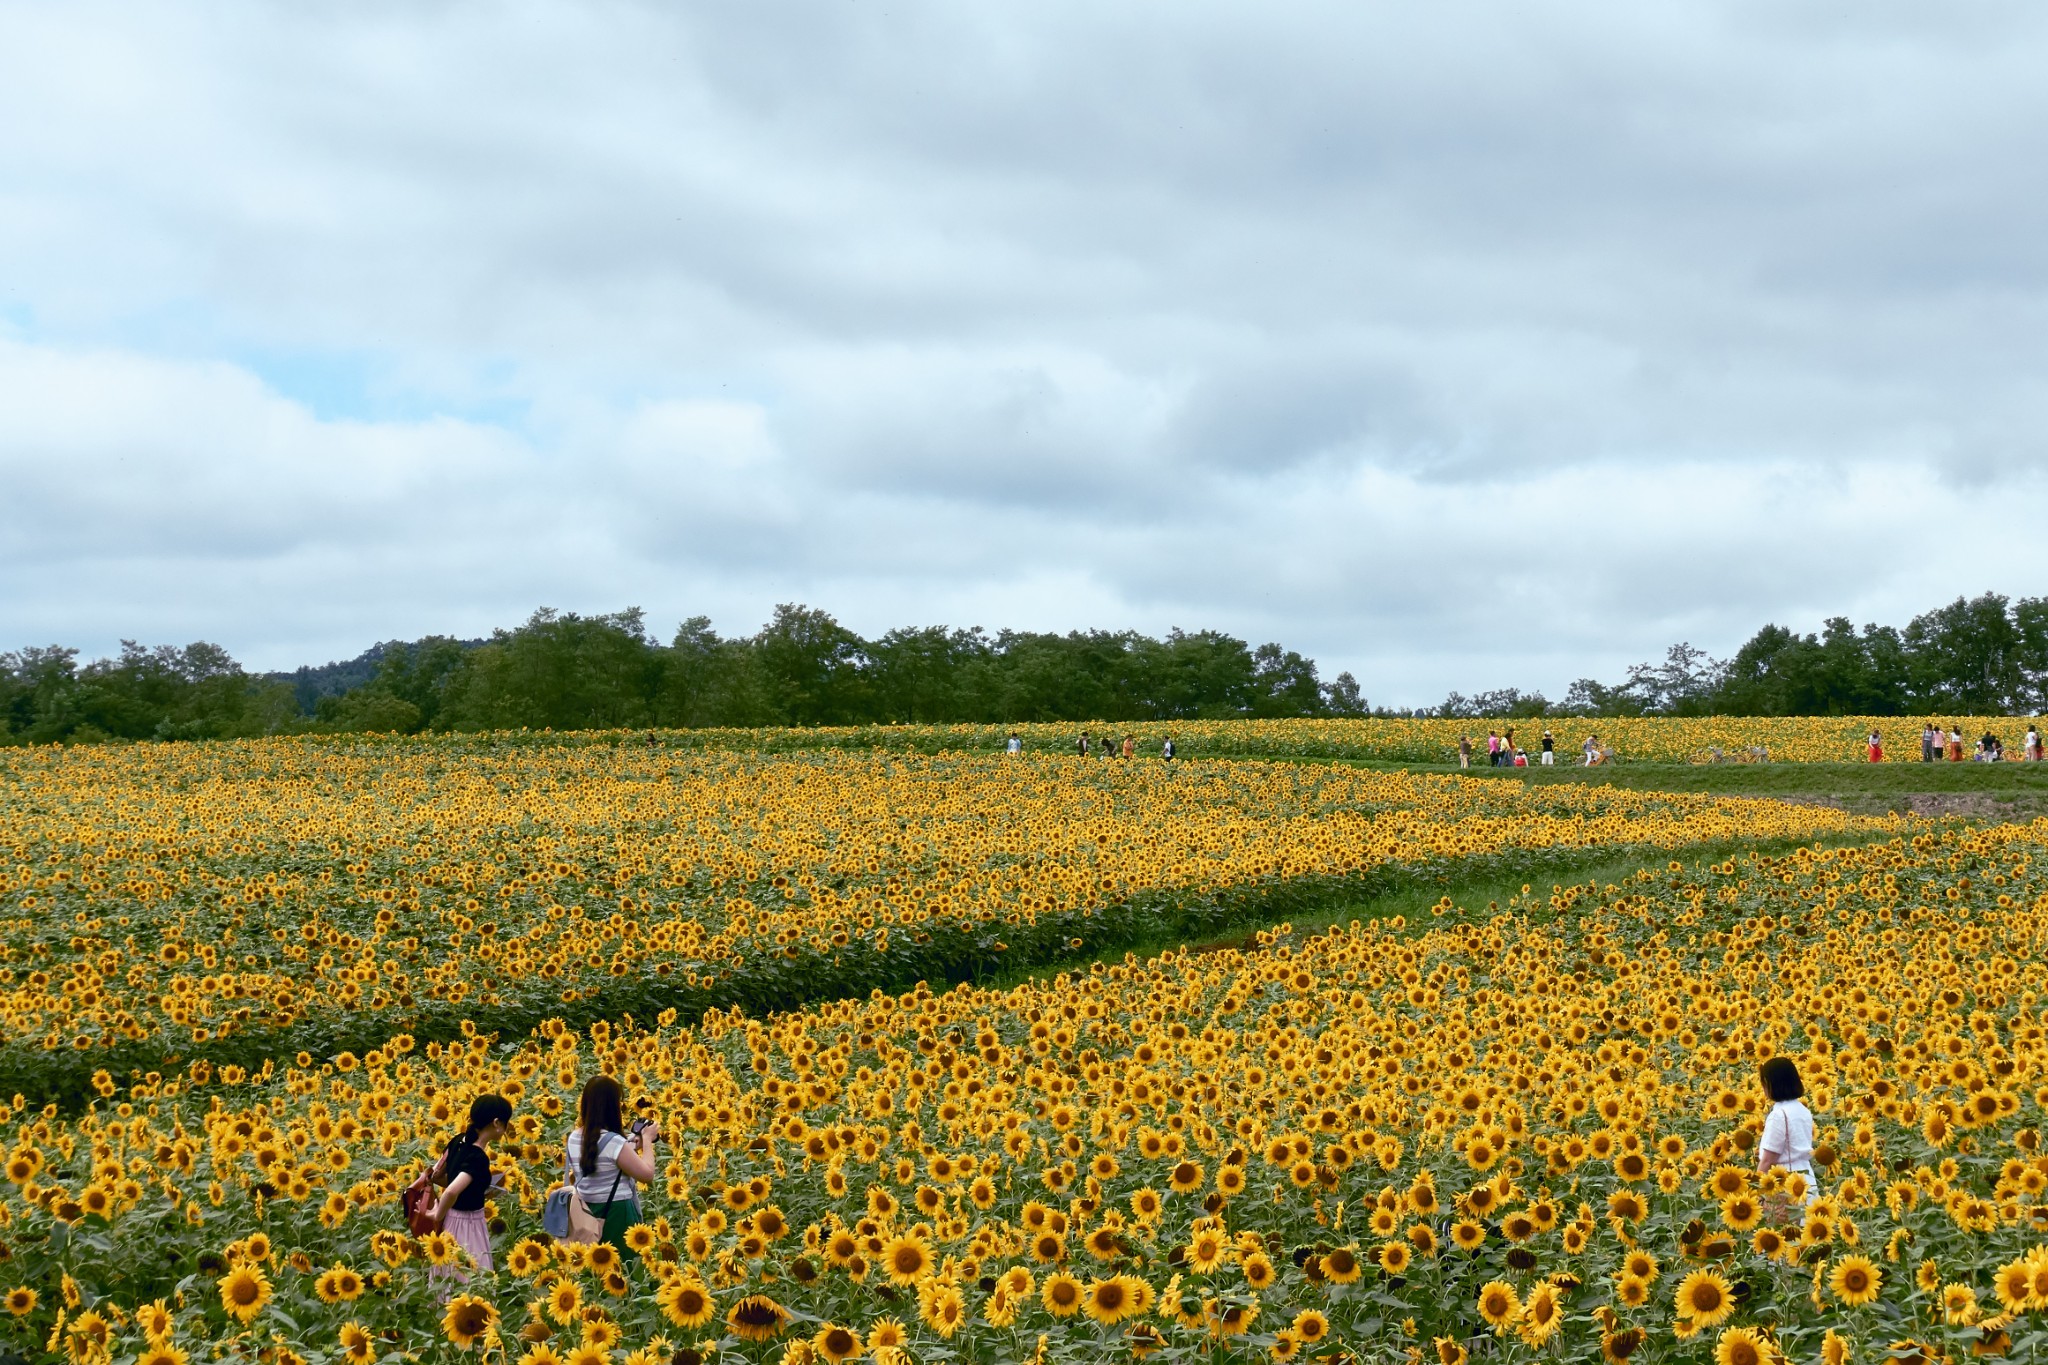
467 1157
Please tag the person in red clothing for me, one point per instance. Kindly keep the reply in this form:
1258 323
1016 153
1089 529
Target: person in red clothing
1876 747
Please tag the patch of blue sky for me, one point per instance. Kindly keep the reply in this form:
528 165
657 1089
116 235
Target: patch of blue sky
369 386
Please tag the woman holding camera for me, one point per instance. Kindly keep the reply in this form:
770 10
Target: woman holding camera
607 1162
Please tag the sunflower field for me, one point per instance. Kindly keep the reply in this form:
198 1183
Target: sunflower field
257 985
237 905
1646 739
1519 1136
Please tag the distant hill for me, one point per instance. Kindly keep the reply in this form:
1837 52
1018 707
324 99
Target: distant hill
310 683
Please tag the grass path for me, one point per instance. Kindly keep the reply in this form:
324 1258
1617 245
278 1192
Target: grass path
1479 889
1999 791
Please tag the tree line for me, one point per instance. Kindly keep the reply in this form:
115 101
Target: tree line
559 670
1986 655
563 671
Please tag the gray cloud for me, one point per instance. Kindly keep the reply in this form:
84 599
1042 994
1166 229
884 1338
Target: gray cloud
1458 346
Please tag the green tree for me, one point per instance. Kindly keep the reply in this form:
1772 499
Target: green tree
811 666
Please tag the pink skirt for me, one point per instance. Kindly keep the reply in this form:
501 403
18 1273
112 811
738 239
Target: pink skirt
472 1232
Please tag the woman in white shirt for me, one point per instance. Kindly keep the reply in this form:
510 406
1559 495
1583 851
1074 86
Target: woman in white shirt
1787 1140
605 1163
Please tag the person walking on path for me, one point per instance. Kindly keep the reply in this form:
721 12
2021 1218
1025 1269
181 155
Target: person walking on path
1464 751
606 1164
1591 746
1927 742
470 1182
2033 744
1549 749
1492 749
1955 743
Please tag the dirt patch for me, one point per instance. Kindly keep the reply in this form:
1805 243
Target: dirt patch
1831 802
1972 805
1931 805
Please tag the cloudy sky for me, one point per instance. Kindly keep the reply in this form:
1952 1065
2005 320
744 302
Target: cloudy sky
1457 345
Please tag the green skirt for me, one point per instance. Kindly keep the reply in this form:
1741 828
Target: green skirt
618 1216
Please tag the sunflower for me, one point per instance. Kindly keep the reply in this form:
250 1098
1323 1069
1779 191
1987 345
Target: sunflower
906 1259
1341 1266
1855 1280
1061 1295
1468 1234
1499 1305
154 1320
1741 1212
358 1347
1393 1257
2014 1286
1231 1319
1704 1299
1741 1346
1617 1347
468 1320
1626 1205
685 1301
565 1301
837 1344
1958 1305
339 1285
1542 1314
944 1310
21 1301
1310 1326
757 1318
886 1334
243 1292
840 1249
162 1353
1206 1251
1259 1273
1631 1291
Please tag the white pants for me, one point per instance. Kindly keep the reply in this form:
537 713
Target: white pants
1547 756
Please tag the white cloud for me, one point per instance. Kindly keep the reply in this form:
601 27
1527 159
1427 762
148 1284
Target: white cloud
1456 346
